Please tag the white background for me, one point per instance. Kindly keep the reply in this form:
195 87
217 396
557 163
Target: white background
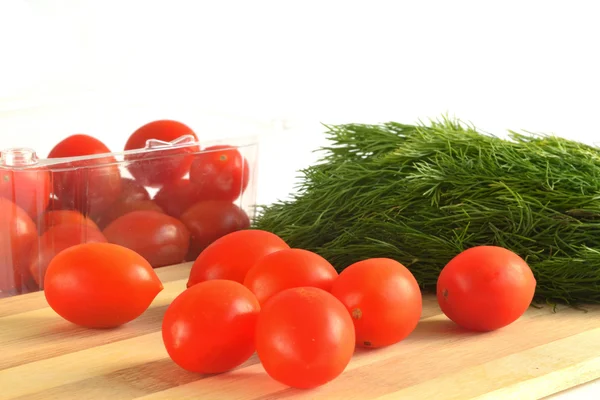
279 69
246 67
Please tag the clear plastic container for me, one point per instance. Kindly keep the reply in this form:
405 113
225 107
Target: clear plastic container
146 200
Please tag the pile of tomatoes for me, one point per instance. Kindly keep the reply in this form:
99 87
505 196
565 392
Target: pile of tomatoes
249 292
166 202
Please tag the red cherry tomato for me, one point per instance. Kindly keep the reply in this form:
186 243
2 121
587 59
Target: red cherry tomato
485 288
304 337
58 217
221 172
287 269
159 238
18 243
122 207
177 197
58 238
210 327
78 145
92 185
100 285
231 256
160 167
27 188
383 298
209 220
132 191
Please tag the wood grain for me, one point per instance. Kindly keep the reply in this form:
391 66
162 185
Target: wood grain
544 352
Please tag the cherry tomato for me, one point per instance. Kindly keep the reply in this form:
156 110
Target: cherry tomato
304 337
18 242
27 188
231 256
221 172
122 207
58 217
210 327
286 269
209 220
177 197
58 238
131 190
485 288
100 285
92 185
159 238
160 167
383 298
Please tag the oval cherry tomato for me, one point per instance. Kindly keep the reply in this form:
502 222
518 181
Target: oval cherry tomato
286 269
92 185
209 220
485 288
160 167
122 207
177 197
100 285
58 217
27 188
58 238
18 243
383 298
231 256
159 238
221 172
210 327
304 337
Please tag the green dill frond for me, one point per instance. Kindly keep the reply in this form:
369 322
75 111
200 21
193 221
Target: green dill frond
420 194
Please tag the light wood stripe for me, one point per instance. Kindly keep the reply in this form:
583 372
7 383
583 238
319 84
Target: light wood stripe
541 372
45 357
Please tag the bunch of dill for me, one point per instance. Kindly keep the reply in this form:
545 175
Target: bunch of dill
420 194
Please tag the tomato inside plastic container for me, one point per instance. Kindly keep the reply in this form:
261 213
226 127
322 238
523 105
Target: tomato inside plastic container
50 204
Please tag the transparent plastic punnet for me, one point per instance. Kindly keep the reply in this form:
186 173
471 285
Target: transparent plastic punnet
167 202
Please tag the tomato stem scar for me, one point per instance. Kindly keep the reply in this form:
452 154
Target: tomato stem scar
357 313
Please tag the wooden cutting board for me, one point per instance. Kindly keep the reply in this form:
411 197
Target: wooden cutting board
45 357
